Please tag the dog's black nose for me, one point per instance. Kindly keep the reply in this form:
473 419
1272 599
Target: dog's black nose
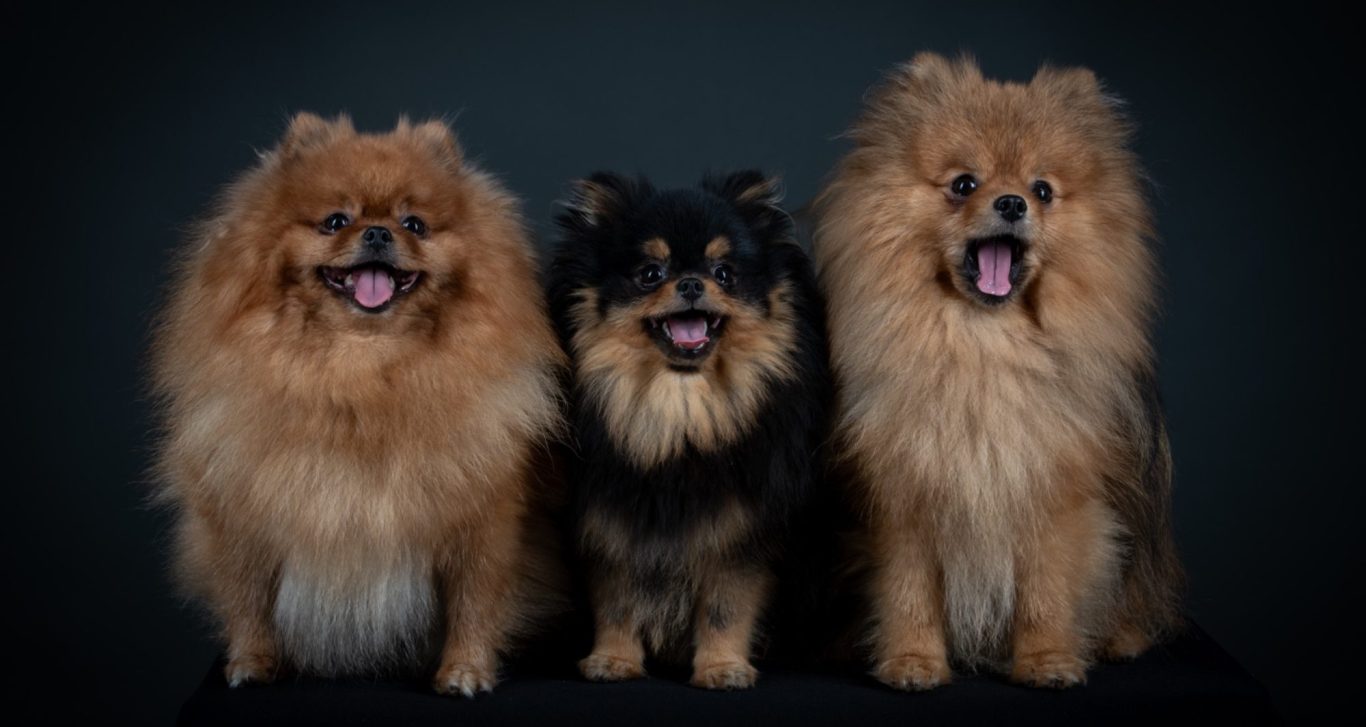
691 288
1011 207
377 238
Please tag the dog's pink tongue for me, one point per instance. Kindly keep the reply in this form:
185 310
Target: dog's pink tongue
688 332
993 261
374 287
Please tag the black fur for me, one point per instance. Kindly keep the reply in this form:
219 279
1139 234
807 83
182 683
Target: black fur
774 469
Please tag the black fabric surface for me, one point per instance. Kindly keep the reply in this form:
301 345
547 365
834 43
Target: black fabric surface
1190 678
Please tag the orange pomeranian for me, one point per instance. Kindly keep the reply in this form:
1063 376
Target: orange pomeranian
358 379
985 250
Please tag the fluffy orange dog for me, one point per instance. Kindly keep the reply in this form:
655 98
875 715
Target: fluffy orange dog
985 252
358 374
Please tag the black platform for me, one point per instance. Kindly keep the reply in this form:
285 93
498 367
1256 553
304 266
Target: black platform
1190 678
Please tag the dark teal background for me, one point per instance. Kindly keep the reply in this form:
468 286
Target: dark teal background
124 121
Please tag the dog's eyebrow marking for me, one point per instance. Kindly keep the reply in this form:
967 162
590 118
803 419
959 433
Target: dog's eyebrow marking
656 248
718 247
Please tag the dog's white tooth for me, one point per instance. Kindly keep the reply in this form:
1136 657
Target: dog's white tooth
706 327
667 332
350 279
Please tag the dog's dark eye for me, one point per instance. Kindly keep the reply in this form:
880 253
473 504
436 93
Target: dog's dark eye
415 225
1043 190
651 275
963 185
723 274
334 222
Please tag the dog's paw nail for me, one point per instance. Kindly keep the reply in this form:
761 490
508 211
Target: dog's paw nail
464 679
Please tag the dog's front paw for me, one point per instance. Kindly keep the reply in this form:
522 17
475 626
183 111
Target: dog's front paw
725 675
608 668
465 680
250 669
913 673
1049 670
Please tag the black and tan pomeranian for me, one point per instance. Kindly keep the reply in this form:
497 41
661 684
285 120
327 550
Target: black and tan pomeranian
700 392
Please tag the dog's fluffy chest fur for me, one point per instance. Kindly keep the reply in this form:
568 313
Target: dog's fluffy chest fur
354 516
993 422
986 413
347 480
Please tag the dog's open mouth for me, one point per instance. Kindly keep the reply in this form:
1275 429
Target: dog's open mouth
371 286
993 265
688 335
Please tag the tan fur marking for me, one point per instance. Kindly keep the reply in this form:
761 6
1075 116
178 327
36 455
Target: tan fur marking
656 248
652 412
718 248
727 611
769 190
618 647
618 654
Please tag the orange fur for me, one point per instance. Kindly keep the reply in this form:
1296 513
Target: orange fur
1001 450
347 484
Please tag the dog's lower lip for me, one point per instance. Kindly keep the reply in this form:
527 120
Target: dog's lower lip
379 284
688 332
994 285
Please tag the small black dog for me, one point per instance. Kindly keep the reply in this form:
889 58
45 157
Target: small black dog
701 390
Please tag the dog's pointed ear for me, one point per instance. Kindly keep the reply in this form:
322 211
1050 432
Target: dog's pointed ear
756 196
594 202
912 90
1076 83
928 67
930 72
748 188
1083 94
434 135
308 130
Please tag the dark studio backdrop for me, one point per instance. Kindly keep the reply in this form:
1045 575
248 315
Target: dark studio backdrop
126 121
